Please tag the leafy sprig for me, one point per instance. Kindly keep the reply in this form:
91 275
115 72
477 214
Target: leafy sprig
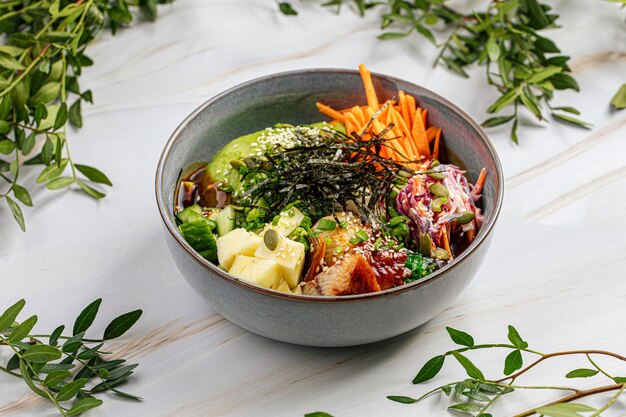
476 394
69 369
41 59
507 39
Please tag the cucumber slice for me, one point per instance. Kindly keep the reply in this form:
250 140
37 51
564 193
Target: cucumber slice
200 237
225 220
190 214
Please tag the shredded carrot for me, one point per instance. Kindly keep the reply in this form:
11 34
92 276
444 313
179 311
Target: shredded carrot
446 241
430 133
370 93
419 134
330 112
436 145
412 107
478 187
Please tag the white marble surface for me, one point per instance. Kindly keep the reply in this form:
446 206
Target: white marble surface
556 268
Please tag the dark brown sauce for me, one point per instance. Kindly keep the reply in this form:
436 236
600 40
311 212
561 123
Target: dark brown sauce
198 187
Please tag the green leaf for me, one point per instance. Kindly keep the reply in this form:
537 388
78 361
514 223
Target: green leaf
29 381
470 368
620 379
582 373
5 126
21 331
467 408
8 317
619 99
391 35
287 9
55 377
446 389
497 121
75 115
318 414
47 93
120 372
401 399
41 354
430 369
564 410
47 151
477 396
564 81
506 99
93 174
29 144
84 405
70 390
121 324
91 191
425 32
17 212
61 117
51 171
59 183
568 109
493 49
571 120
513 362
86 317
544 74
54 336
11 50
6 146
8 62
73 343
460 338
516 339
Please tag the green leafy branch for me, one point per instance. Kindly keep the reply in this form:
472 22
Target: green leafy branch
41 60
61 372
507 40
475 394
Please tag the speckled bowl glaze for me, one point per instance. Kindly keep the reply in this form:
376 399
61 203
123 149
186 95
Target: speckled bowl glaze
318 321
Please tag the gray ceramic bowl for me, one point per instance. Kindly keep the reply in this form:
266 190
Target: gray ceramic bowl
315 321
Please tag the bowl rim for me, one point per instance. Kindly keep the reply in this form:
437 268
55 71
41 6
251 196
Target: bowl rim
210 267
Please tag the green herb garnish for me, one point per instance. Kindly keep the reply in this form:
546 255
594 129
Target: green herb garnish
326 224
42 57
59 367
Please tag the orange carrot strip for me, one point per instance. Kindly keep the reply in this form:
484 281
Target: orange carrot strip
330 112
409 144
412 107
419 135
425 117
478 187
370 93
357 112
436 145
430 133
470 235
446 241
404 105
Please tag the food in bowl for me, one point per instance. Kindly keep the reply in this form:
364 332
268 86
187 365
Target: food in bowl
355 205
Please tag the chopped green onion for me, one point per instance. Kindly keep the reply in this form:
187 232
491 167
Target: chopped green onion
326 224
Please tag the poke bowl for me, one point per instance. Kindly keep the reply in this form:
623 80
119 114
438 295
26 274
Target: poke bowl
329 207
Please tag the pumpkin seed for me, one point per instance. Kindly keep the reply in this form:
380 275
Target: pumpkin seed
438 189
425 245
237 163
250 162
436 175
441 254
271 238
466 217
434 163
